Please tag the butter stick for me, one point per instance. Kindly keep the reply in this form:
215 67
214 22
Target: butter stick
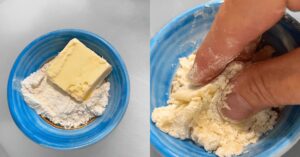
77 69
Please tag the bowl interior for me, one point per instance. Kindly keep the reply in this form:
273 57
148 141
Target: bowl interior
180 38
38 53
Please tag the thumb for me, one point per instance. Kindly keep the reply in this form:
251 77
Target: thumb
270 83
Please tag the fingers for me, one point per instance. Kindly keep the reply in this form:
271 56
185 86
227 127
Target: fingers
248 52
293 5
270 83
236 25
212 66
264 53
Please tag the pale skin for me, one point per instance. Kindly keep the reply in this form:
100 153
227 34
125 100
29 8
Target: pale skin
237 27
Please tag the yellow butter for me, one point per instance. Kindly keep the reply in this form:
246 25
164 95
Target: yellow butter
77 69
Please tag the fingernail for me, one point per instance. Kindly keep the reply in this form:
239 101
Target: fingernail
236 108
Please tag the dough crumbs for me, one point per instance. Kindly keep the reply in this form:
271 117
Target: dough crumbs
192 113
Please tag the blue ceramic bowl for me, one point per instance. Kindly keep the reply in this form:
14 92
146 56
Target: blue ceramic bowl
33 57
179 39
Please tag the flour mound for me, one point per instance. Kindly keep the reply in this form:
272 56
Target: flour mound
53 103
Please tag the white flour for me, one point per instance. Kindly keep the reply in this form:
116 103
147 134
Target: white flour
51 102
192 113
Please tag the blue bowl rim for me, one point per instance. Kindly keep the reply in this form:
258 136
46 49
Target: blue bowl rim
158 145
35 41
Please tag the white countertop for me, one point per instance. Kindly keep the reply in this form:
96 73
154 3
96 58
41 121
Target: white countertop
163 11
125 24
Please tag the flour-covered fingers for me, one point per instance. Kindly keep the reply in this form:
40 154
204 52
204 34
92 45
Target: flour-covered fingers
265 84
235 26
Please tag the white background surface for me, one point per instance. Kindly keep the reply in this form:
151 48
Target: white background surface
124 23
162 11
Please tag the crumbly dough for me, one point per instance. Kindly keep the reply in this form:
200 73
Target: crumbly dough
192 113
50 101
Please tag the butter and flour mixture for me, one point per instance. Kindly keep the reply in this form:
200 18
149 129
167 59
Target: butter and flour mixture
51 102
192 113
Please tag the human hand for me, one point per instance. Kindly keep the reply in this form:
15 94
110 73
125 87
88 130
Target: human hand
270 83
238 24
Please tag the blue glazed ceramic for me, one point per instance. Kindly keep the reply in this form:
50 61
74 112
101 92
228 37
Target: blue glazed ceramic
33 57
180 38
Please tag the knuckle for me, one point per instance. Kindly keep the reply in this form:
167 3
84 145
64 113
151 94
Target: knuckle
260 89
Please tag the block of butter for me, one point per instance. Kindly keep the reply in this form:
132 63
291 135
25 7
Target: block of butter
77 70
